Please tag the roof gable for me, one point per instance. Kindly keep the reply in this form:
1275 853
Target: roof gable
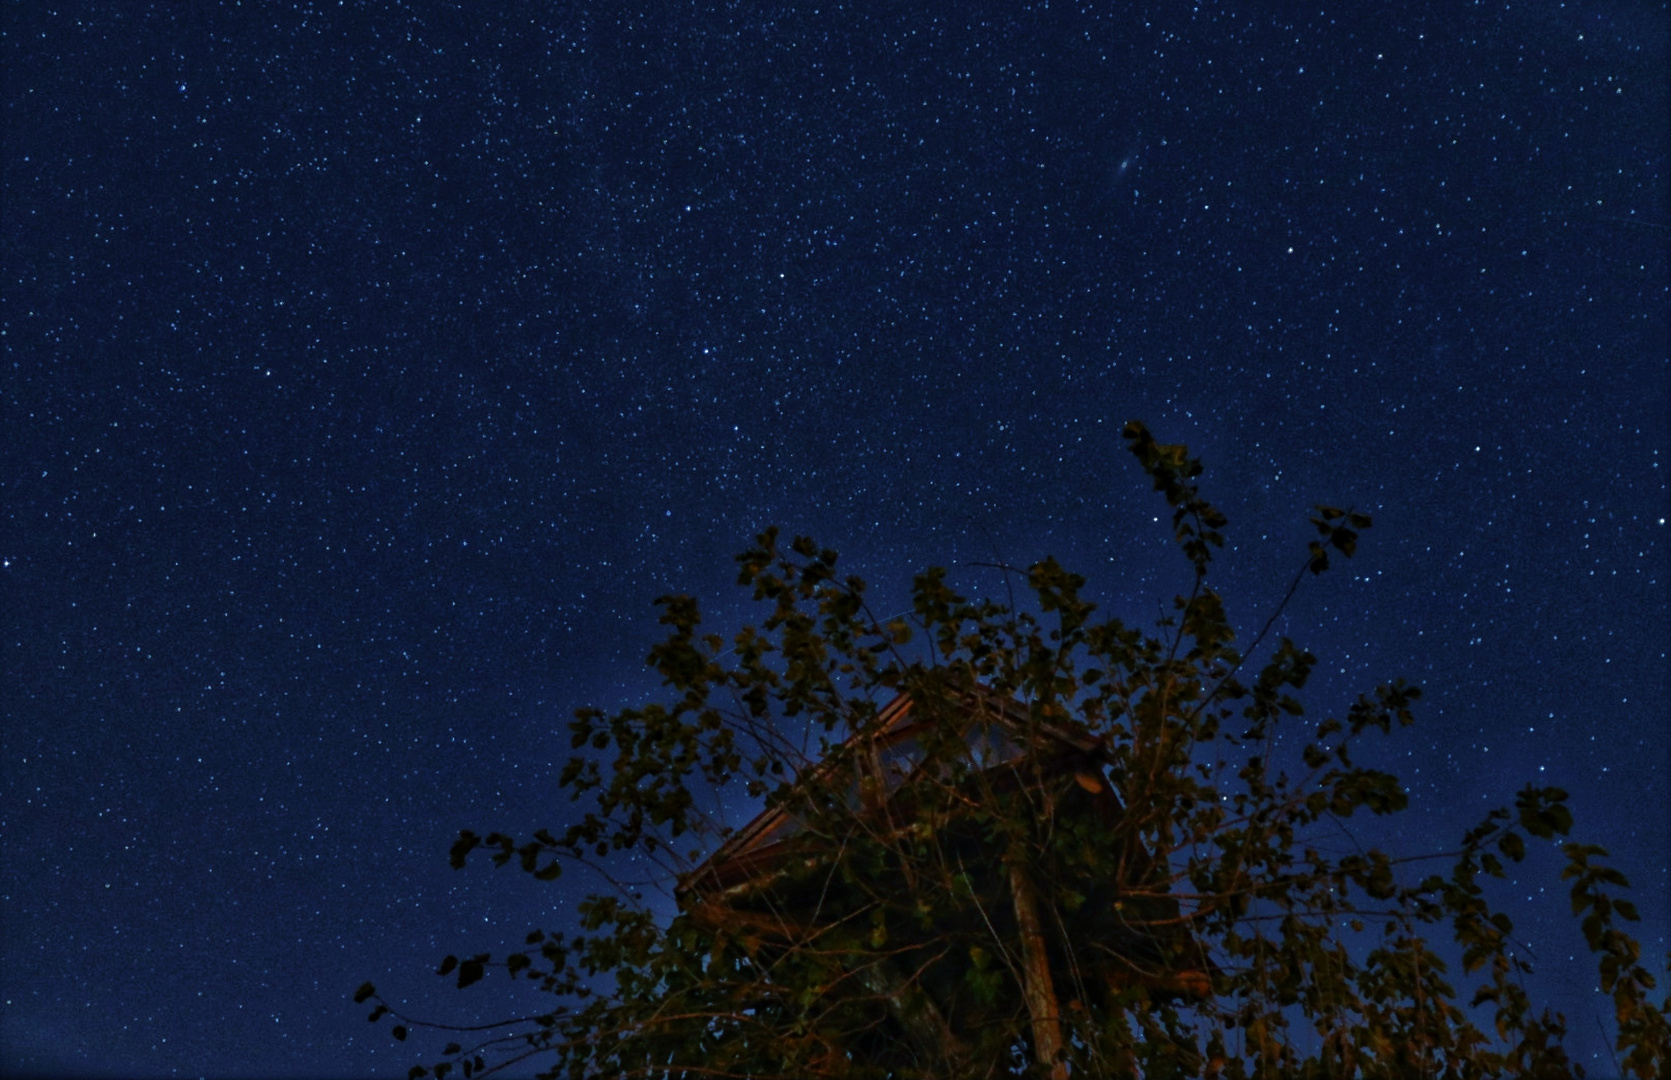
890 752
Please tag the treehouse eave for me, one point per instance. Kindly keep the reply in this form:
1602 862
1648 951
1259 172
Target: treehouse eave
758 848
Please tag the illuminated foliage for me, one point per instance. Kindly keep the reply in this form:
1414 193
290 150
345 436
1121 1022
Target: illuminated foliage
1021 840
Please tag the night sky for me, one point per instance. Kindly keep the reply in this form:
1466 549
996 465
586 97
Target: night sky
370 368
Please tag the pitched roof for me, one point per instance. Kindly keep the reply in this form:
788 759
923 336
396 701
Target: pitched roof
991 728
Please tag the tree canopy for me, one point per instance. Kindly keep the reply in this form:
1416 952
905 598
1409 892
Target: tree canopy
1001 839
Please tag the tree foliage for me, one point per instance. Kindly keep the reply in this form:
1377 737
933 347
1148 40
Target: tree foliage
1101 852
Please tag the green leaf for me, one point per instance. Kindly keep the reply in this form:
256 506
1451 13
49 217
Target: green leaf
466 843
1319 558
1512 846
1543 813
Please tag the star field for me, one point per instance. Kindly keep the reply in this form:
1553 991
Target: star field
370 368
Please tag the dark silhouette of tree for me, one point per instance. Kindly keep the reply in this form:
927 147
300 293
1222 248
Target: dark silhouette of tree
1004 840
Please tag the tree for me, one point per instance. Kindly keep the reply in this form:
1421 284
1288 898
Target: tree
1004 839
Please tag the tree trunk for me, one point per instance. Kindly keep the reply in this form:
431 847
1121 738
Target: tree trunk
1037 985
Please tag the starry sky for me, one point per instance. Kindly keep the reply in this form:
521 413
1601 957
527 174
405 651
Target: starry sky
370 368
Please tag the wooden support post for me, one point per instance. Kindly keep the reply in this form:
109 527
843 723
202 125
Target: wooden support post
1037 986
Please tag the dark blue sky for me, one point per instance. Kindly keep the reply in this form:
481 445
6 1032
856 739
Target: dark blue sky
369 368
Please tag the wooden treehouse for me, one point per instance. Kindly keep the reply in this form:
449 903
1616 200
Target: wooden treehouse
955 838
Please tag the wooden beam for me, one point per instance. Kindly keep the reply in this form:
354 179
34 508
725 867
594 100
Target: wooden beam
1037 986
